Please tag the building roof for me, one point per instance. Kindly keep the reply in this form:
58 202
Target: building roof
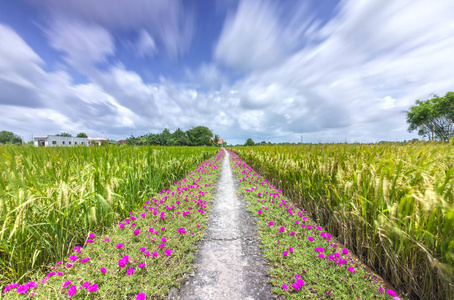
97 139
220 141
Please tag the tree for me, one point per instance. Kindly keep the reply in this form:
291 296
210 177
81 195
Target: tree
9 137
199 136
216 140
433 118
180 138
82 135
64 134
224 144
249 142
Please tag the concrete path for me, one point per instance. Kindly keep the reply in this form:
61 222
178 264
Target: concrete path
229 263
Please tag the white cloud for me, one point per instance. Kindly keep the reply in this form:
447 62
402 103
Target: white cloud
145 44
256 37
164 20
83 44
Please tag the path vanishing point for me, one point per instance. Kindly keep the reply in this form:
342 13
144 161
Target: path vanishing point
229 263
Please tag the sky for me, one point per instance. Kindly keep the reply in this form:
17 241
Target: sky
278 71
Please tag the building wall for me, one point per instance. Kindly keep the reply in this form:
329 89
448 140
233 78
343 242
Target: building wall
62 141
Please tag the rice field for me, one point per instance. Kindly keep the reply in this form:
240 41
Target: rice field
51 198
393 205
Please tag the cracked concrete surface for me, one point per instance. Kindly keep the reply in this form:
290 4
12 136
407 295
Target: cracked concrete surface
229 263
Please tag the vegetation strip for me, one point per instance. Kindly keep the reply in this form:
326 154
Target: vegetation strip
306 262
393 205
142 257
51 198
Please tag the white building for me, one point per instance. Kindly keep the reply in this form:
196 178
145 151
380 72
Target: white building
54 140
97 140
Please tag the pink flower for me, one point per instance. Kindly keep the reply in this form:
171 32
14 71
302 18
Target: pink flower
290 249
146 253
260 212
352 270
285 253
76 249
103 270
119 246
23 289
167 252
310 238
142 249
141 296
136 232
130 271
155 254
72 258
282 229
92 288
300 282
66 283
69 265
121 225
32 284
163 228
391 293
51 274
198 226
163 240
85 260
150 230
107 240
284 287
91 236
161 245
141 265
321 255
11 286
345 251
85 285
270 223
295 286
72 291
60 273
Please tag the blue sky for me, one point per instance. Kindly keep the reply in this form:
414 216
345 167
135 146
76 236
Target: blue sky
332 71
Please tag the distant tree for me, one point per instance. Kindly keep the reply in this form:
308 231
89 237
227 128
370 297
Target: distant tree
164 137
64 134
180 138
9 137
131 141
199 136
433 118
216 140
249 142
224 144
81 135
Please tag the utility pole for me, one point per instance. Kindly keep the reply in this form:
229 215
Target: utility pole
301 139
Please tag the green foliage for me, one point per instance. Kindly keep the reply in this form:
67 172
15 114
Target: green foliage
337 282
9 137
50 198
82 135
433 118
199 136
249 142
64 134
392 204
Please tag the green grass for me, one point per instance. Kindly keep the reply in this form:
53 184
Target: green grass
191 194
50 198
392 205
323 279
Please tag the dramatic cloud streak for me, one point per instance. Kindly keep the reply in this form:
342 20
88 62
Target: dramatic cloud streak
276 72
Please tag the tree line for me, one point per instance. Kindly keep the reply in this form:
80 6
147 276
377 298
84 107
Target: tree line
196 136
